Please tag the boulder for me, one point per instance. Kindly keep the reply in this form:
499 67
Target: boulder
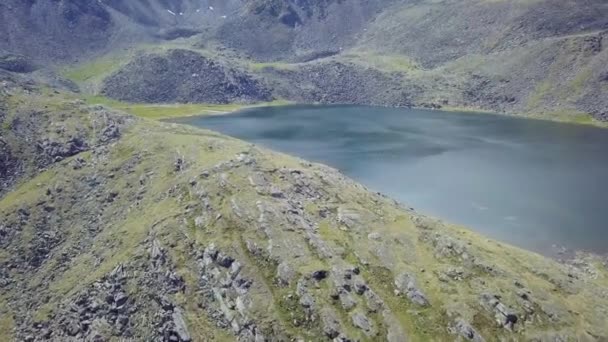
406 284
362 322
285 274
464 329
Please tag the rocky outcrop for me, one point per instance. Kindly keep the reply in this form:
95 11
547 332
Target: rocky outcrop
16 63
183 76
341 83
28 144
406 284
464 329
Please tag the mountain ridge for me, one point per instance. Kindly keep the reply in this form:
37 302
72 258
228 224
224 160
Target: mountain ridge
533 58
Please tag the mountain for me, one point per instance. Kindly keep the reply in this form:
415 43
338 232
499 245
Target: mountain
536 58
115 227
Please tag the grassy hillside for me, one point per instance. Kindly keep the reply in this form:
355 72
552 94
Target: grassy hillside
155 231
172 110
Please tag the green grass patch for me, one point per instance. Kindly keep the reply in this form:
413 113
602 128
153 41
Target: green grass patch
388 63
273 65
579 82
95 69
540 92
167 111
6 324
573 116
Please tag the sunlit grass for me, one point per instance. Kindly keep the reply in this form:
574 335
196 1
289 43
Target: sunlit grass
273 65
173 110
389 63
95 69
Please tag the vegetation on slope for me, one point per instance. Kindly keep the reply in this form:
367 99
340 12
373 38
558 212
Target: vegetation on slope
172 110
157 231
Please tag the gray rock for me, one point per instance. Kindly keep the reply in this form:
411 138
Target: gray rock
347 300
285 274
276 192
307 301
455 273
362 322
330 323
258 180
374 236
554 311
73 328
200 221
374 302
464 329
348 217
181 329
211 252
406 284
417 297
503 314
302 287
241 305
16 63
157 251
319 275
360 286
235 269
109 133
120 298
224 260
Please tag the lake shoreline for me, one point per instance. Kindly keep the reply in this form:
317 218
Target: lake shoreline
501 188
588 121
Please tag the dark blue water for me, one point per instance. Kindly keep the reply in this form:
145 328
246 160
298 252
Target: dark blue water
527 182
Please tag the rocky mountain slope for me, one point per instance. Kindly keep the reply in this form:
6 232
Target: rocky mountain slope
122 228
542 58
183 76
538 58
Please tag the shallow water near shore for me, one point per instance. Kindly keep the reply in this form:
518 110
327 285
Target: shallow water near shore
531 183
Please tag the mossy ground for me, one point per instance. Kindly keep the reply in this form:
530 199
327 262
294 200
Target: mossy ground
385 62
175 110
564 115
